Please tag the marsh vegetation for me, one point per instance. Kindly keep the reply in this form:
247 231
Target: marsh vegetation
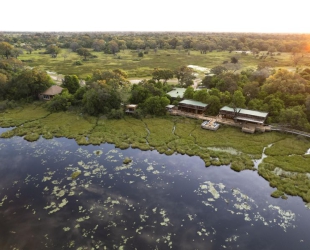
265 72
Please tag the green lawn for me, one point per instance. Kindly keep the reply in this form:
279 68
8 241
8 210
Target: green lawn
142 67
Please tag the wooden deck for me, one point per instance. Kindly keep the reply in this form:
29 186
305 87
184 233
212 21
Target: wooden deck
245 127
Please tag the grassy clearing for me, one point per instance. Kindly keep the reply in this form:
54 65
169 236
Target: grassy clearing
289 146
226 136
176 134
138 67
64 124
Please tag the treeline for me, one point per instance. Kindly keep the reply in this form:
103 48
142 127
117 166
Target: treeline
105 92
114 42
285 95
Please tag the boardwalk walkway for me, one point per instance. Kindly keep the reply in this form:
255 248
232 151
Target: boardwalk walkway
289 130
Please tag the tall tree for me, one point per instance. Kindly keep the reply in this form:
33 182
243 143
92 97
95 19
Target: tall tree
16 52
284 81
238 99
156 105
53 49
29 83
28 48
185 75
5 49
294 117
83 52
71 82
164 74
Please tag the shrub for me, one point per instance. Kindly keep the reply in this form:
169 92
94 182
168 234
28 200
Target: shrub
116 114
78 63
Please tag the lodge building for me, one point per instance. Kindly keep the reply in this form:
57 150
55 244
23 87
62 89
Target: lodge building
243 115
191 106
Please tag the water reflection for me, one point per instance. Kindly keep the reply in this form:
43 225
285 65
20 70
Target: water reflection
156 201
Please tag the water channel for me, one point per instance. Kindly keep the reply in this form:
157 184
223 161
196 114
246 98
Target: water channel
155 202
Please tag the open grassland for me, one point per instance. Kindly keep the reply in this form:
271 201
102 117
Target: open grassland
287 167
142 67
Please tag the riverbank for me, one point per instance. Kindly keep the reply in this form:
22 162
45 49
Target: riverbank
171 135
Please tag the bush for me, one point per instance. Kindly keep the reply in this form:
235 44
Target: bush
140 54
77 63
60 102
116 114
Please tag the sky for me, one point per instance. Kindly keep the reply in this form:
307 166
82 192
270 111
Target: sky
264 16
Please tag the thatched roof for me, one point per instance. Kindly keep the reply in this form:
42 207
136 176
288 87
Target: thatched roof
53 90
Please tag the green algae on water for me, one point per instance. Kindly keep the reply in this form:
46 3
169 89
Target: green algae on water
75 174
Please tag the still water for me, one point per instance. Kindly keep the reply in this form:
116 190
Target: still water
155 202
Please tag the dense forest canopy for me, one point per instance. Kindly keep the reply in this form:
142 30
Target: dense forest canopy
283 93
112 42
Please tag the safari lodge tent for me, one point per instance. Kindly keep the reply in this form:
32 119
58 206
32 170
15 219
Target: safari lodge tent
177 93
191 106
50 93
131 108
244 115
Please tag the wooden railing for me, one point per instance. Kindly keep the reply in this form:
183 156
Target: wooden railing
289 130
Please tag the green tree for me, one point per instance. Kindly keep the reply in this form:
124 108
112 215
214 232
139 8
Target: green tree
227 82
139 94
29 49
294 117
238 99
189 93
3 85
234 60
156 105
209 81
217 70
60 102
255 104
201 96
5 49
53 49
251 90
164 74
275 105
214 105
185 75
83 52
29 83
284 81
16 52
112 47
99 100
71 82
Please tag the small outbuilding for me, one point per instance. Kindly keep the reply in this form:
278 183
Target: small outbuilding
192 106
177 92
50 93
170 108
131 108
